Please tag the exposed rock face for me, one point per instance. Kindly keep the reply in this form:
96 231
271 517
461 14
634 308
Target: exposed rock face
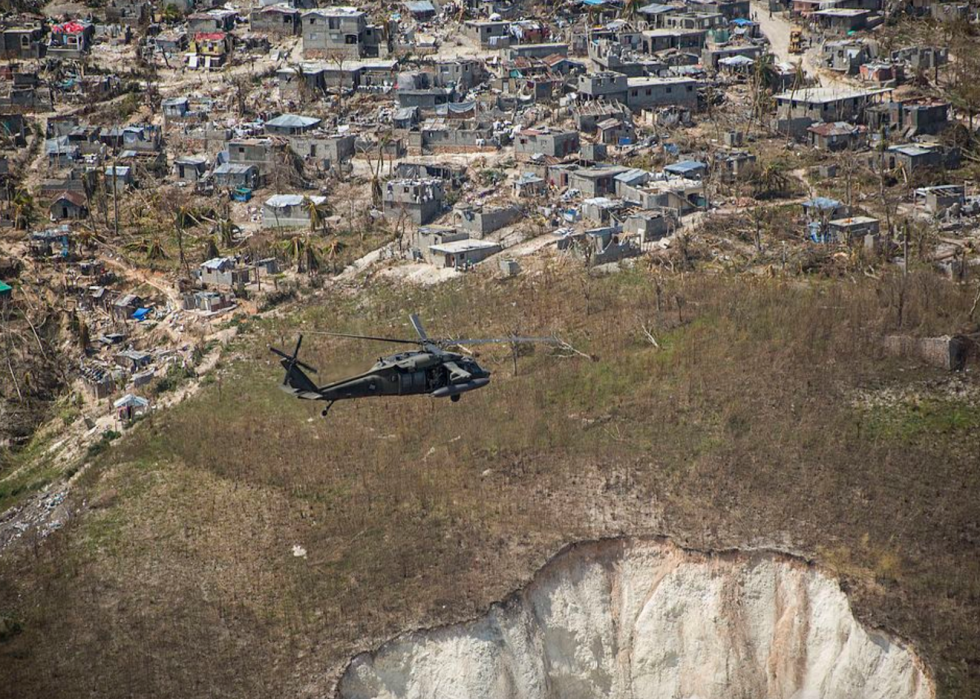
646 620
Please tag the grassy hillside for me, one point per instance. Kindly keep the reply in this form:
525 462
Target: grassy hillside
767 416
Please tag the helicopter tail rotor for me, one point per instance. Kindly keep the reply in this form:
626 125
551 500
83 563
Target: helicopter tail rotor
295 378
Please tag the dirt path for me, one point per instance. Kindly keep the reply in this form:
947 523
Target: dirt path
777 28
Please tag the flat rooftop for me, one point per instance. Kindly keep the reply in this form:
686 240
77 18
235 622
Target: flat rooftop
827 94
467 245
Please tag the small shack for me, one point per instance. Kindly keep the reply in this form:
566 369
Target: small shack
129 407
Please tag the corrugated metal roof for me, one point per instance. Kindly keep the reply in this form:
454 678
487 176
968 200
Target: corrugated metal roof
419 6
293 121
685 166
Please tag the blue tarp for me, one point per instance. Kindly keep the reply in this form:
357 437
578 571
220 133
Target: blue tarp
739 22
141 313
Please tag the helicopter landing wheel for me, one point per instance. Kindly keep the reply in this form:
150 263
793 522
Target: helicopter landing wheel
455 399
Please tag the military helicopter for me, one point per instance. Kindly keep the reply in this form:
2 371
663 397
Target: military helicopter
431 369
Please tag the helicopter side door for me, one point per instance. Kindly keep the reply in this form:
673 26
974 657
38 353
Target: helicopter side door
410 382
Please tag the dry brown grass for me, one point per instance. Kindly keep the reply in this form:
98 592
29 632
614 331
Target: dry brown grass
740 430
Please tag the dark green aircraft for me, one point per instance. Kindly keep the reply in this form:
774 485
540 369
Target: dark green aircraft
431 369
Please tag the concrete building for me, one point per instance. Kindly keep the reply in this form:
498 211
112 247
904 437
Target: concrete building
276 19
458 73
211 21
796 110
841 20
910 117
546 142
647 226
291 210
450 136
460 254
419 201
853 228
846 56
291 125
233 175
922 57
480 221
70 40
536 51
22 43
222 271
326 149
190 168
838 135
918 156
341 33
603 85
259 152
646 93
598 181
487 34
938 199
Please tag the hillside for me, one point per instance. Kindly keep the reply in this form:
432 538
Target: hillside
238 545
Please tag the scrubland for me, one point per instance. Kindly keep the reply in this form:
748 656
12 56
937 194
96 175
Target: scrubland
719 411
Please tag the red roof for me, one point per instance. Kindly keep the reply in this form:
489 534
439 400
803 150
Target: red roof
71 27
76 198
209 36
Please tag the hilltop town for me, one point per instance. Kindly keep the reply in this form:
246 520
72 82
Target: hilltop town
171 166
178 174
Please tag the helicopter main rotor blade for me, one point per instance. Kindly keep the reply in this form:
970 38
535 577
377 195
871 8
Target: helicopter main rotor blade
501 340
398 340
417 324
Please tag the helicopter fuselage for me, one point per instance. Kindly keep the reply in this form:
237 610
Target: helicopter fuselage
430 370
443 375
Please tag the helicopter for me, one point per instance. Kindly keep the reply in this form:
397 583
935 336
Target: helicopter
432 369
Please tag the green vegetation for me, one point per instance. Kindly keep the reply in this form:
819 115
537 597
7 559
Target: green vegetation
103 443
716 410
175 376
929 418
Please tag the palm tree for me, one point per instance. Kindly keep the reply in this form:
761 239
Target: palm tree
764 77
150 247
87 238
631 8
25 212
769 180
331 252
315 212
211 249
183 217
312 257
295 249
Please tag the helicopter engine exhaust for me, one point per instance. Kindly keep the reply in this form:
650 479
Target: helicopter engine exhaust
457 388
